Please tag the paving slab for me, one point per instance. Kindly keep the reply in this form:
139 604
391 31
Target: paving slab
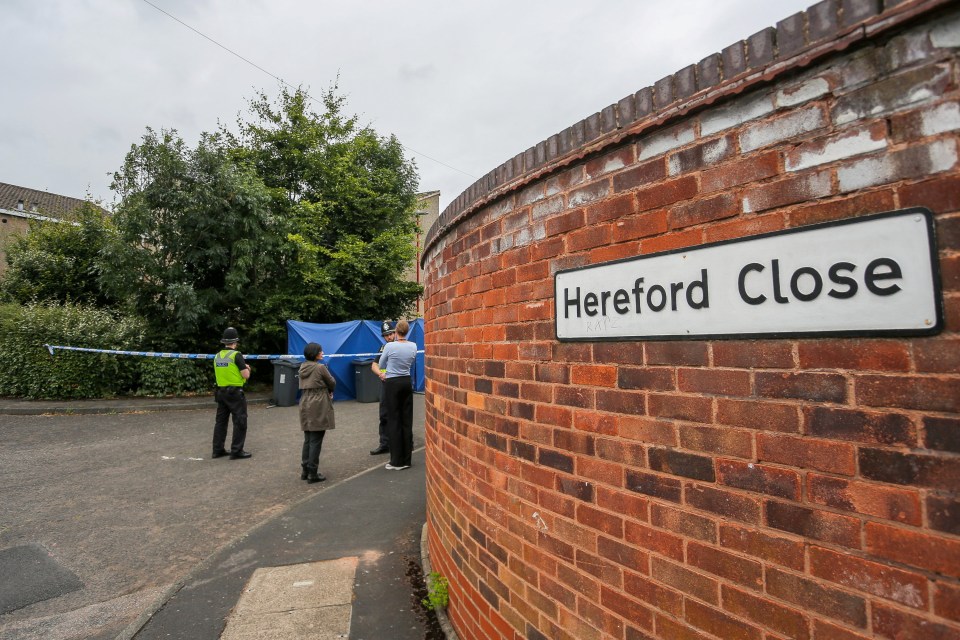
325 623
306 600
298 586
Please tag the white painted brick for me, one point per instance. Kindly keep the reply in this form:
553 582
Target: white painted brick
498 209
736 114
908 48
854 70
531 234
716 150
919 93
547 207
713 152
943 117
815 185
564 182
943 156
614 162
587 195
789 126
843 147
522 238
939 156
803 92
849 115
947 33
531 195
866 173
660 143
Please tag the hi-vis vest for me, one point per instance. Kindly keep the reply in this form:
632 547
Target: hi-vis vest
225 366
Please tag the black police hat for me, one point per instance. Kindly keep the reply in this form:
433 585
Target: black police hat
388 327
230 335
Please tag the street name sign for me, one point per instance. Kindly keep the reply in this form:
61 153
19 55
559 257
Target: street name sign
872 275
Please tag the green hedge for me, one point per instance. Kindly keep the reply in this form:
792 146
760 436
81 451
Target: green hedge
27 369
165 376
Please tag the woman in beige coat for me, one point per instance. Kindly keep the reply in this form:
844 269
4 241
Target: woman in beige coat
316 410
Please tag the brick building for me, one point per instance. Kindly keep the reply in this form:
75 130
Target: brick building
428 210
19 205
762 486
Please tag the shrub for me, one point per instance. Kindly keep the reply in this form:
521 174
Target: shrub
164 376
28 370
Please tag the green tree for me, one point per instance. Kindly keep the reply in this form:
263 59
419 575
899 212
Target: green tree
348 198
299 215
193 241
57 261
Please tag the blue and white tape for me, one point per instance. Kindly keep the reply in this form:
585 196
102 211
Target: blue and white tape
203 356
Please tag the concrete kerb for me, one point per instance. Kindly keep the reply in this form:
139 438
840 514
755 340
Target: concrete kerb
16 407
442 618
134 627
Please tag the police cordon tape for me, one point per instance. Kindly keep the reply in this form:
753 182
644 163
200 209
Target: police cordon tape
203 356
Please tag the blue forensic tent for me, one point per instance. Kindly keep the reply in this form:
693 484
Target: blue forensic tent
344 342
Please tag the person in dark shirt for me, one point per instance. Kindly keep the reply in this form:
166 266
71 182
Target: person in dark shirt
395 364
389 331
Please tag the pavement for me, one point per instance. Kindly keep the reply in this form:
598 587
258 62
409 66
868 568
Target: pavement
139 535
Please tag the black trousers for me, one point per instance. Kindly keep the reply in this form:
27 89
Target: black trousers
310 455
398 393
384 440
231 401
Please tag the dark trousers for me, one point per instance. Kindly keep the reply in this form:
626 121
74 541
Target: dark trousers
310 455
230 402
384 440
398 393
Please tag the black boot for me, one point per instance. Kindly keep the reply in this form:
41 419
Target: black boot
314 476
304 474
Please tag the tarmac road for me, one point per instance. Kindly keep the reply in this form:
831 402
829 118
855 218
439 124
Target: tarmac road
111 511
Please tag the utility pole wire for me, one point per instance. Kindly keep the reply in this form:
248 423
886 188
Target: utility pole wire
284 82
230 51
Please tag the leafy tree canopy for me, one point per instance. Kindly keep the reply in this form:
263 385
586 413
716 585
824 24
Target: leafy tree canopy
193 241
348 198
298 215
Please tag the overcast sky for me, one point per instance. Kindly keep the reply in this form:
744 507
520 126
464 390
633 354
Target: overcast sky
464 86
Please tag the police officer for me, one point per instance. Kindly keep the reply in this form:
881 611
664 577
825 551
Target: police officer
389 331
232 372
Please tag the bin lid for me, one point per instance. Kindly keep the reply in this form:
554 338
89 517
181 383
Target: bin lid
366 362
293 364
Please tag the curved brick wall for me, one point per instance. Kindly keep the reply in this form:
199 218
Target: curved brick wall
757 489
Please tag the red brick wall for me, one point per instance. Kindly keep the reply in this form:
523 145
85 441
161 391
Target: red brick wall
756 489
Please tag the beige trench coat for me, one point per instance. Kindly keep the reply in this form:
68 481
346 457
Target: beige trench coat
316 406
